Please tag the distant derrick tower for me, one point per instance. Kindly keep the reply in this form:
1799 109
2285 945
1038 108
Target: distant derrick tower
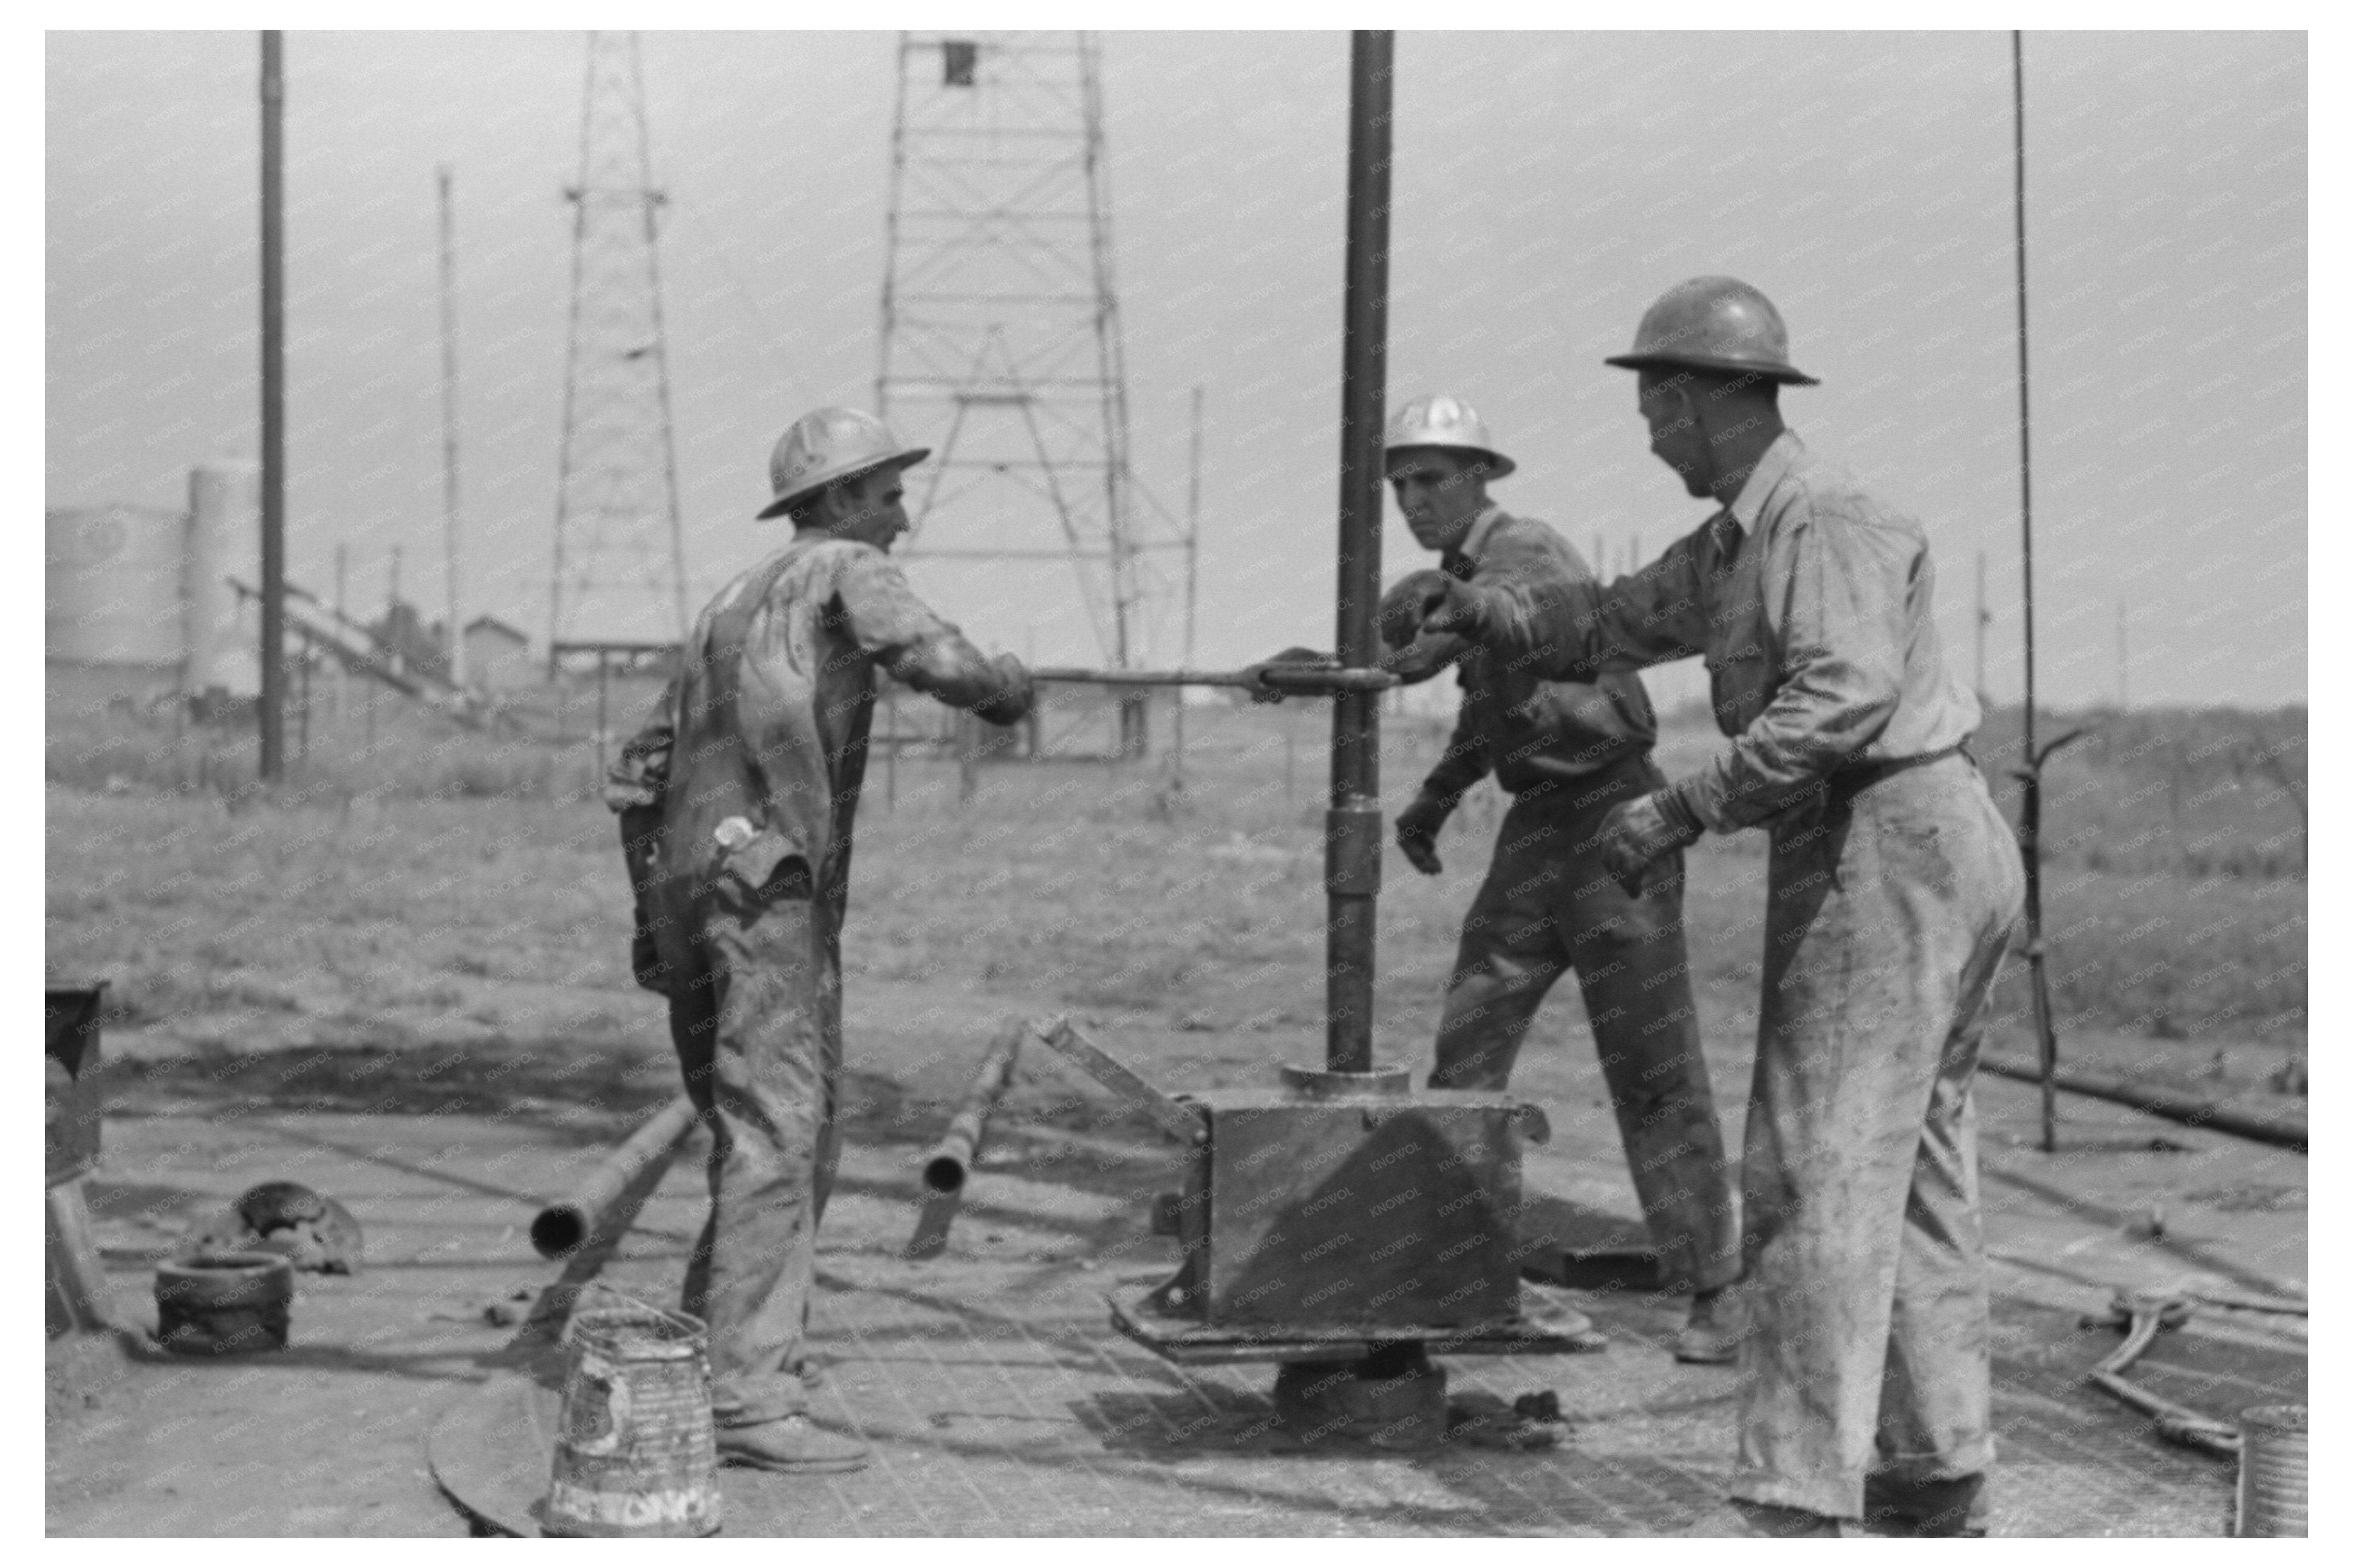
1000 341
620 557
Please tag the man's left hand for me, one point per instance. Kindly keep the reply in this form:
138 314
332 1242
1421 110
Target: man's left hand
1640 832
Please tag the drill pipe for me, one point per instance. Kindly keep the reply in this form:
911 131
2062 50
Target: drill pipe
950 1159
578 1216
945 1167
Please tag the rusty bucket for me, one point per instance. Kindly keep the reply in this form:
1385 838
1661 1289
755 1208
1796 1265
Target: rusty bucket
2274 1448
635 1452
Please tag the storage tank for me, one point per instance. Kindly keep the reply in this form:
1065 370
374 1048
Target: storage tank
114 586
221 640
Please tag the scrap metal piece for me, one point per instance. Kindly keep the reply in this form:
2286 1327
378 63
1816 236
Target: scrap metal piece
1180 1121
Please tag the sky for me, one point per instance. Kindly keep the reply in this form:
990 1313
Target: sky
1546 187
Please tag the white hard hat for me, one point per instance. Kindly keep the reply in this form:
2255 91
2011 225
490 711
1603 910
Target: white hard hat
1447 421
828 445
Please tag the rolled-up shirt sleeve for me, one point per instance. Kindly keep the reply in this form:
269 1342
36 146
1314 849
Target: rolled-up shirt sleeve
909 639
1835 589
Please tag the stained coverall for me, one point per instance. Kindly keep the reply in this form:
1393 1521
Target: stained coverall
1893 890
1567 752
746 781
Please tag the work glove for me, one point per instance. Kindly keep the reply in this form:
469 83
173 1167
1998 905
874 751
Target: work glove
1416 831
1427 601
1016 692
1255 674
1637 833
1404 606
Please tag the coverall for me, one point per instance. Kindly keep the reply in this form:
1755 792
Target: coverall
1567 752
754 763
1894 887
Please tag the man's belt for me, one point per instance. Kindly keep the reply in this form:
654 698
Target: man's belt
1848 782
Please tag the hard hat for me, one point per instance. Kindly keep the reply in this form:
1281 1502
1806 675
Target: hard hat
1714 323
829 444
1448 422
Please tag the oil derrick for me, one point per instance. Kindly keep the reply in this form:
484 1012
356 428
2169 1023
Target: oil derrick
1001 349
620 560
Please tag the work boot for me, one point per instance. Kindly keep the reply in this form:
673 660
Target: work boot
793 1445
1711 1335
1958 1507
1738 1519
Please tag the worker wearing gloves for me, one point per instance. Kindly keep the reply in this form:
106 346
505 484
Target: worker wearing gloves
737 803
1892 890
1568 751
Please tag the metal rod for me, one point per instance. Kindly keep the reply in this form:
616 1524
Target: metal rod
2030 815
273 407
1308 678
453 640
1352 853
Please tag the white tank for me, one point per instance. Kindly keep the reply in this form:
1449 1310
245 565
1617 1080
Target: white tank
113 585
222 633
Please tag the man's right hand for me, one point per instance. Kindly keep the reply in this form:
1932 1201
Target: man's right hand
1416 832
1016 693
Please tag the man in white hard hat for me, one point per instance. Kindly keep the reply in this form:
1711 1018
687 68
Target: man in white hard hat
1566 752
1892 890
737 803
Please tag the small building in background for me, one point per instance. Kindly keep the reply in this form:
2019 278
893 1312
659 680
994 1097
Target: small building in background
498 656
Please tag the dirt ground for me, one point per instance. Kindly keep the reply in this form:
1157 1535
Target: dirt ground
424 1006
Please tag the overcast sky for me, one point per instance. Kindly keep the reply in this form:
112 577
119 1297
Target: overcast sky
1548 186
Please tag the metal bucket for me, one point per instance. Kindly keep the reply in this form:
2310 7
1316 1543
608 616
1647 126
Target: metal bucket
635 1452
225 1303
2274 1442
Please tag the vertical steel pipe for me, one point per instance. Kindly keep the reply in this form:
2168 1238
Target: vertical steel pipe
2029 811
1352 857
273 408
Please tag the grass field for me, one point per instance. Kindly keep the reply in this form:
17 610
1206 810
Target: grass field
453 899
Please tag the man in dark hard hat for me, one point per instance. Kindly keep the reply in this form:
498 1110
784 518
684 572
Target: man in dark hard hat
738 800
1567 752
1893 890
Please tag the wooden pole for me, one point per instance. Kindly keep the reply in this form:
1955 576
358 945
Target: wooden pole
454 642
273 407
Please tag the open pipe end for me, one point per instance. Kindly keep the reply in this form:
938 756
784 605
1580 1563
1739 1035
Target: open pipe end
558 1229
944 1174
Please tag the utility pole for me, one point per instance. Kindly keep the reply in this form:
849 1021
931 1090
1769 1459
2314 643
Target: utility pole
343 564
454 645
1984 619
396 649
273 407
2124 662
1192 573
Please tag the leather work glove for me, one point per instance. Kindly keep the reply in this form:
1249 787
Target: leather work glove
1406 604
1016 693
1261 692
1416 831
1427 601
1637 833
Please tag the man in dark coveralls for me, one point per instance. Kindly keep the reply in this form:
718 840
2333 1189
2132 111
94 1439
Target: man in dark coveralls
737 802
1567 752
1893 890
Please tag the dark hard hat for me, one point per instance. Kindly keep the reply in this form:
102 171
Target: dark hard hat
1714 323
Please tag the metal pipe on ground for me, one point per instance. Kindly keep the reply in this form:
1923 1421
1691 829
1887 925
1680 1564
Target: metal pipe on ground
582 1214
2282 1131
949 1162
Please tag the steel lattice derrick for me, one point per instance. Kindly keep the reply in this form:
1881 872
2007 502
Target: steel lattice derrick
1001 345
620 556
